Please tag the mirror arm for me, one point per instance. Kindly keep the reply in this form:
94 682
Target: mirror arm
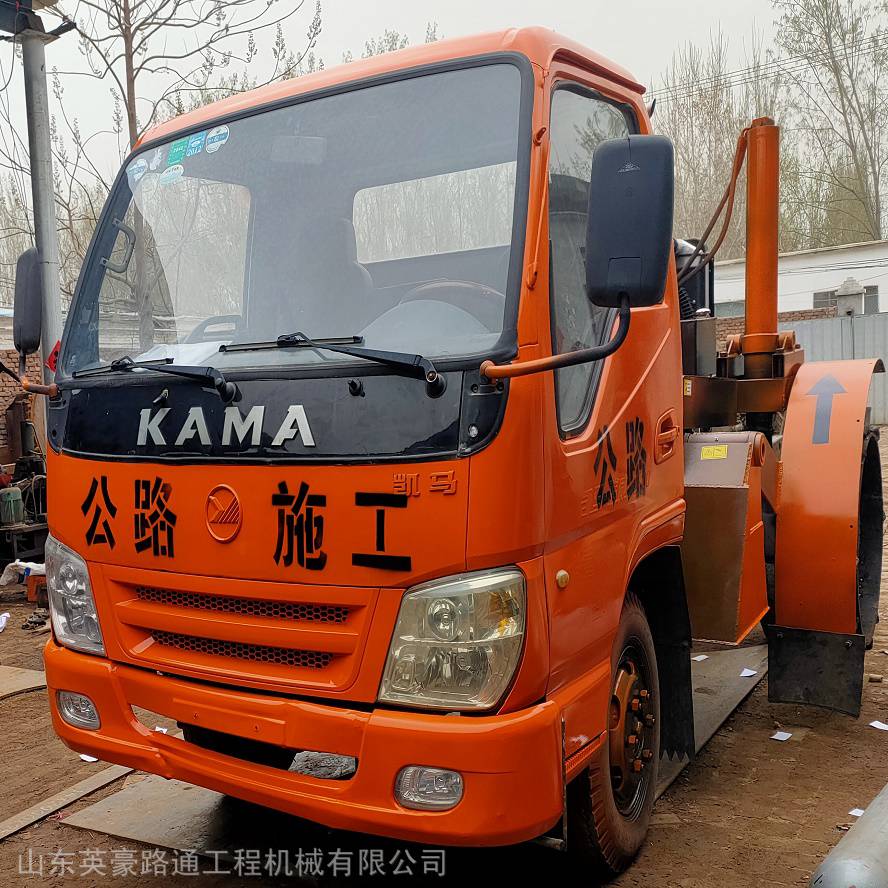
37 388
32 388
568 359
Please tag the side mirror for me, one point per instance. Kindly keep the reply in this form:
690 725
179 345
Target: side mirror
629 226
28 307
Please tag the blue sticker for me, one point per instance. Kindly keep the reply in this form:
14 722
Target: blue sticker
172 174
136 170
195 144
177 150
216 138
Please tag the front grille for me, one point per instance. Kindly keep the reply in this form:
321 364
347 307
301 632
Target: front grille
257 653
289 635
253 607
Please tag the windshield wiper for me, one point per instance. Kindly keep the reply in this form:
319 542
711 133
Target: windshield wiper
207 377
406 364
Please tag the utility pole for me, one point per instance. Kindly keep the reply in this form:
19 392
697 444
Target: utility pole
46 234
26 27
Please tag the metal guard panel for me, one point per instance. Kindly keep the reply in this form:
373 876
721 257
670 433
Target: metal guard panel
131 417
816 668
817 523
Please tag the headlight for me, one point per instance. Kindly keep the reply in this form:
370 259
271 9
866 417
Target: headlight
74 618
457 641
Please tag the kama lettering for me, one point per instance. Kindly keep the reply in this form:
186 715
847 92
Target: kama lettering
237 429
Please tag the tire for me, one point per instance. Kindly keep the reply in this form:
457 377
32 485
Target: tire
609 805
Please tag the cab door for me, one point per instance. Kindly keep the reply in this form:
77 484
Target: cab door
613 443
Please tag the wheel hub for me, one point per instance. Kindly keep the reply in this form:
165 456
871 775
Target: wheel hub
631 731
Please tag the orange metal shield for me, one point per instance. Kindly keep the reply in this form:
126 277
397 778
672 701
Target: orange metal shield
817 524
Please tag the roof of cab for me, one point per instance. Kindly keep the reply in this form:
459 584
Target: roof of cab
540 45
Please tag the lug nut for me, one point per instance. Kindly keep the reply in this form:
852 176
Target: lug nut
637 765
647 755
650 721
636 704
637 726
631 740
644 694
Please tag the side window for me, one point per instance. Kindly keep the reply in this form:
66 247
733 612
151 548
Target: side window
579 122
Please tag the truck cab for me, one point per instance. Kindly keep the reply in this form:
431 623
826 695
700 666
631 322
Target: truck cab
293 505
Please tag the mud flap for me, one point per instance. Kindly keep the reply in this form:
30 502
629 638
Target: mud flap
817 668
828 539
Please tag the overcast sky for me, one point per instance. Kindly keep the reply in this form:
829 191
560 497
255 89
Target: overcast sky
639 34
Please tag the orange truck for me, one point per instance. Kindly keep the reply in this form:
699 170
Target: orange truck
391 454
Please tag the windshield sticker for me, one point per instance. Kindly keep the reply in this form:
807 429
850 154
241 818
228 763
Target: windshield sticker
172 174
99 506
153 520
216 138
195 144
156 159
136 170
177 150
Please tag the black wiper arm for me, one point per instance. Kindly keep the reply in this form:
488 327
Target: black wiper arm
414 366
208 377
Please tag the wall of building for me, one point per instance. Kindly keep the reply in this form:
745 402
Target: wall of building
802 274
725 327
6 329
845 338
9 388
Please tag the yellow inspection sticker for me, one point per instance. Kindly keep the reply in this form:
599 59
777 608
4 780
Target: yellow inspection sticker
688 387
714 451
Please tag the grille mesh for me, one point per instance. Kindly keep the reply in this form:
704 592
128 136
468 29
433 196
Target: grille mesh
256 652
253 607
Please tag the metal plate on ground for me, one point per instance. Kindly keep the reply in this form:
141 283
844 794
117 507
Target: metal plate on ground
719 688
16 681
172 814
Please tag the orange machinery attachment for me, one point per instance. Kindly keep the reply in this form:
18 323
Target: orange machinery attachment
799 512
759 342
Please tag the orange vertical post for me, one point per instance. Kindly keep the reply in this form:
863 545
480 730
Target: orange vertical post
762 212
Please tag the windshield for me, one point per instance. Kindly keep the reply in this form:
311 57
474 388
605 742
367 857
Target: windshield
385 213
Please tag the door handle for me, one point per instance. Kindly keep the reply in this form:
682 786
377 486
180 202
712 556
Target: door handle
667 435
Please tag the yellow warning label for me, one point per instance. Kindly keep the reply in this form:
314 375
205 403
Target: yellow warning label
714 451
689 383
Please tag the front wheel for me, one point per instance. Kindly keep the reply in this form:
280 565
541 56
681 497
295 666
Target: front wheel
609 805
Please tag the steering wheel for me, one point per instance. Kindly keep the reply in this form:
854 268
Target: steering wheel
482 302
198 334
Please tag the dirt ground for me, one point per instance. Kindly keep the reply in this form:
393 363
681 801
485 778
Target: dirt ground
749 811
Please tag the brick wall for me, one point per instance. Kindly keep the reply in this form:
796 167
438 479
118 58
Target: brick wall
9 388
725 327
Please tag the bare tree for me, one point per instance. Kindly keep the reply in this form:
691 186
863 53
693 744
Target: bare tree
153 50
160 57
838 67
390 41
703 109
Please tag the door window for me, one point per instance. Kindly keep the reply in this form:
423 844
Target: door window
580 121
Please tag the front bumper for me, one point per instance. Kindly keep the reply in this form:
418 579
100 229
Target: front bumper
511 764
